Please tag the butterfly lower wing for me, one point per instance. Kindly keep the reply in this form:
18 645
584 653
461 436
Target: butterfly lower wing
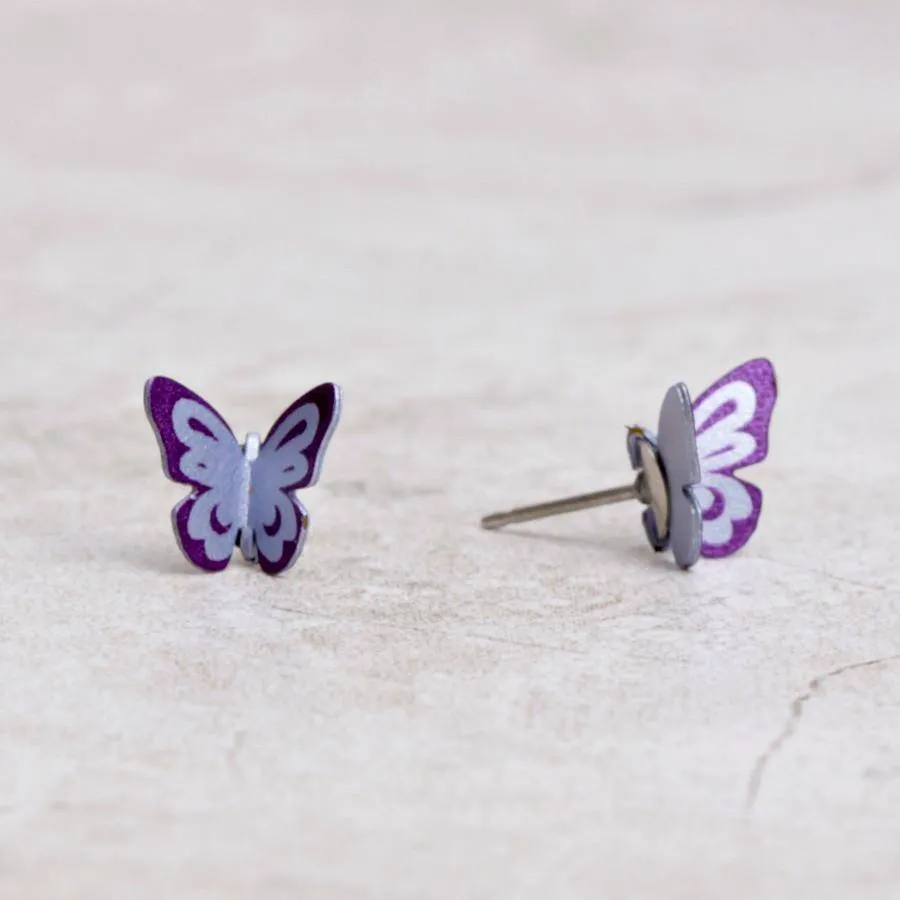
204 540
290 458
732 419
731 508
199 449
280 527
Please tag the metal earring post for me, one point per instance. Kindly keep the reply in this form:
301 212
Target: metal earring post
636 491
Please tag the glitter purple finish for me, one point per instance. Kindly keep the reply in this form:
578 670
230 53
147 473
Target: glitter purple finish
732 419
230 492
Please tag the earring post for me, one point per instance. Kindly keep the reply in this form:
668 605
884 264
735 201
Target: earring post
634 491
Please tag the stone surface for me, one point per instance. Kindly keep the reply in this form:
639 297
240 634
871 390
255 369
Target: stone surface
505 228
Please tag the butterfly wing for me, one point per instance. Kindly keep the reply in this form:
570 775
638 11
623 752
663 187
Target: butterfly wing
199 449
289 459
732 419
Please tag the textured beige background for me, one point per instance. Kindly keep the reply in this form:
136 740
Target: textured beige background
505 228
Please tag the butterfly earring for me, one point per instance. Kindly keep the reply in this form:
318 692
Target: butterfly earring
686 470
243 495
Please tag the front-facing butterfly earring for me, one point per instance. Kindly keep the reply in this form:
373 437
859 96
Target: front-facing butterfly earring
243 495
695 503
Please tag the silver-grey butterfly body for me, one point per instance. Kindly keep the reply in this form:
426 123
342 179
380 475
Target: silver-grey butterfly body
675 448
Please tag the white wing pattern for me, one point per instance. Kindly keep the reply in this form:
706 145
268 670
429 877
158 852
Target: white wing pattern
732 424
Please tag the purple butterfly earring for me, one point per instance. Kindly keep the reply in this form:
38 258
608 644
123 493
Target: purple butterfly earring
243 494
686 470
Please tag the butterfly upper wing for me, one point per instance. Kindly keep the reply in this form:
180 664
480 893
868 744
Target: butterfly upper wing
199 449
732 419
290 458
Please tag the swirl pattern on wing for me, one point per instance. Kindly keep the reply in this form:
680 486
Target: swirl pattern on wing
199 449
732 419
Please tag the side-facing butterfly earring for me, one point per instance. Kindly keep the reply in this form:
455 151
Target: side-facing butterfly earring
243 494
686 470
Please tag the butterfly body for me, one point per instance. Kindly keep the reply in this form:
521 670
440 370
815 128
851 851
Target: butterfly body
242 494
668 461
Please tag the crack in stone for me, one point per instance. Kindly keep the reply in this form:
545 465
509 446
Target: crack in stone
828 575
754 783
788 196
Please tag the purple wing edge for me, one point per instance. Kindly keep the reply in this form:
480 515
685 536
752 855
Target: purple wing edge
160 396
760 375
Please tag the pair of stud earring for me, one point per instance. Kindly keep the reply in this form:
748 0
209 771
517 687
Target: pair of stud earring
243 494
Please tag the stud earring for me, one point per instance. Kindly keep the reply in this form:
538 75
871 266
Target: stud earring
243 494
686 470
